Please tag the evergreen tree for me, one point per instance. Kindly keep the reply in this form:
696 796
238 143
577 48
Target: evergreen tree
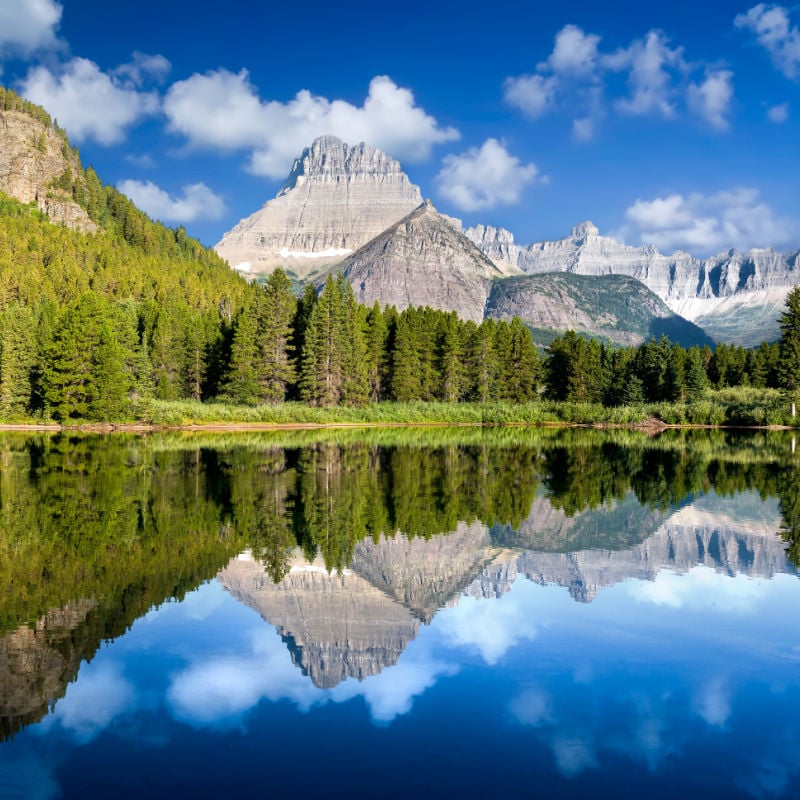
275 308
377 355
241 383
482 362
18 354
789 358
696 378
407 360
85 375
322 377
451 360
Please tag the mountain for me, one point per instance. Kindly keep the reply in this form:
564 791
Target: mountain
615 307
37 164
734 297
422 260
337 198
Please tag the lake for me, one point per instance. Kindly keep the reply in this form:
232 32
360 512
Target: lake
386 613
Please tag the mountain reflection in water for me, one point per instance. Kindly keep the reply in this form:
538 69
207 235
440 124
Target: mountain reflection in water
388 570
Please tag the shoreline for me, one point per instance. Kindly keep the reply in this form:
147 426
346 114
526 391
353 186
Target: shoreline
647 426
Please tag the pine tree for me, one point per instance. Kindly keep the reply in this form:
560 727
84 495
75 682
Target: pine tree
406 372
17 360
789 359
322 372
275 308
84 373
451 360
241 384
377 356
482 362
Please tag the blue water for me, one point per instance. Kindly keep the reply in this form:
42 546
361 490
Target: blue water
683 686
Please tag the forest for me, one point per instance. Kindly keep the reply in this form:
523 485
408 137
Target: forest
95 327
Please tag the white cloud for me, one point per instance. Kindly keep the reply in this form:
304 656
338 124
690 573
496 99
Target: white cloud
491 628
779 113
144 66
573 52
196 202
776 35
87 102
484 177
648 62
573 79
391 693
92 703
28 25
222 110
705 224
533 94
711 99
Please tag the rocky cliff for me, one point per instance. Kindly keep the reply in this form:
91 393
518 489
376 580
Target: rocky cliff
336 199
336 626
423 260
37 663
731 535
32 157
732 296
425 574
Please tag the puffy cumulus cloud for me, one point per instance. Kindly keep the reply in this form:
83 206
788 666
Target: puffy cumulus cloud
573 79
648 62
533 94
222 110
779 113
705 224
144 66
196 202
711 99
28 25
86 101
93 702
484 177
491 628
218 691
391 693
775 33
573 52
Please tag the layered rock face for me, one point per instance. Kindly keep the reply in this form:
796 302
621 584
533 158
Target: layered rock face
37 664
732 536
336 199
423 260
425 575
32 156
336 626
733 296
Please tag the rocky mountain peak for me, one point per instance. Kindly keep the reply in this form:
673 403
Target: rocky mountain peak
584 230
336 198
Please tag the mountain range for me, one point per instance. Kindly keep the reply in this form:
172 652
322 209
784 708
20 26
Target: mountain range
352 209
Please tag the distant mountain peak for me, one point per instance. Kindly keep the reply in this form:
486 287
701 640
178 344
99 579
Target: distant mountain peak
585 229
337 198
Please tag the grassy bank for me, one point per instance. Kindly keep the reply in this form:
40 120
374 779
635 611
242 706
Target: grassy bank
741 407
732 407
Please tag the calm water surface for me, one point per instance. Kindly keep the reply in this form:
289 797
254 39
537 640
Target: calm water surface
463 613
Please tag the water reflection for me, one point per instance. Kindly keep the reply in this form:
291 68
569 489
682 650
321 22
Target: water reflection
440 580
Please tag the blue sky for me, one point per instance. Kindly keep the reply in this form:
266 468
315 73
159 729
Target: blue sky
674 124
